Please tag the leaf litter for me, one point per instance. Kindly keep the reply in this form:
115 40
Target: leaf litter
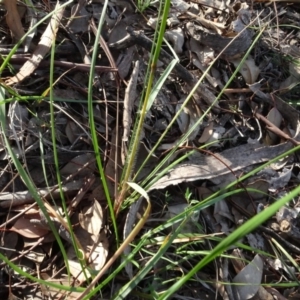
255 120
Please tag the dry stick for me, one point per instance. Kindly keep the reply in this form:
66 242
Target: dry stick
63 64
74 185
42 49
40 240
276 130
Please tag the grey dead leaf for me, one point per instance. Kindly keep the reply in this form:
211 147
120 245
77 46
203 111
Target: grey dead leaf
91 218
209 167
32 133
37 174
248 280
189 226
97 193
9 241
212 134
249 70
98 257
176 38
60 126
281 179
124 61
188 117
13 20
78 162
148 167
72 131
18 119
222 215
201 67
118 32
81 21
24 227
238 217
275 117
180 5
256 241
261 185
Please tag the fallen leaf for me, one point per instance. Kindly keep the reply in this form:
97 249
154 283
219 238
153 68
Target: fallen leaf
97 257
24 227
249 70
91 218
248 280
78 162
275 117
211 167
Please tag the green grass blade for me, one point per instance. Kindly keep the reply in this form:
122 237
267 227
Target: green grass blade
92 121
246 228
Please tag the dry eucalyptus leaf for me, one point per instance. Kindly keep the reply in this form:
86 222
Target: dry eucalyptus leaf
248 280
56 293
97 193
78 162
98 257
176 38
260 185
72 131
275 117
188 117
256 241
24 227
281 180
212 134
249 70
91 218
37 256
210 167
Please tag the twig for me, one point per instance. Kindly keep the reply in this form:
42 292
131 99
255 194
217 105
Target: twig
276 130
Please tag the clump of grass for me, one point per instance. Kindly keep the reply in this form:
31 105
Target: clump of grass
130 191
